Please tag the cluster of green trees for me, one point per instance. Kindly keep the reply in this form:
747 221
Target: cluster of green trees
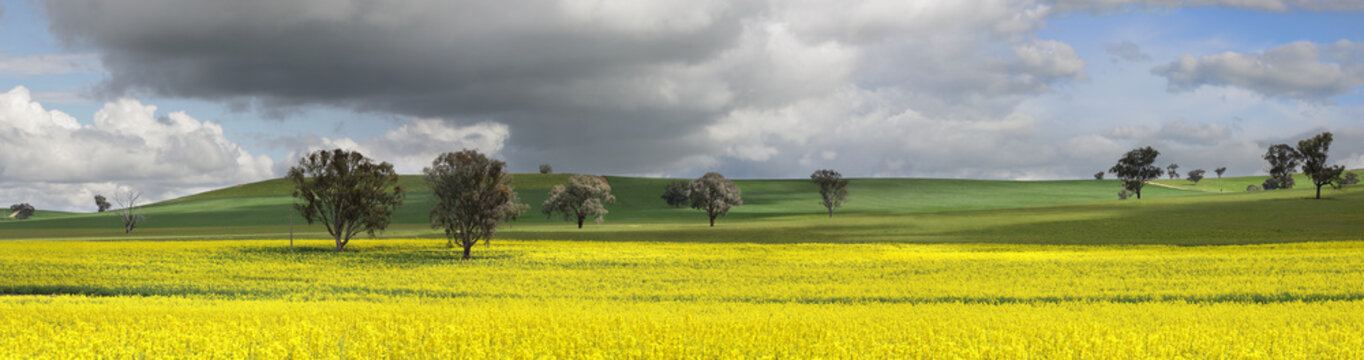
1137 167
349 194
21 211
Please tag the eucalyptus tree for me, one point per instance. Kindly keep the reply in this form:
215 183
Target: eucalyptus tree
714 194
1173 171
832 188
1282 161
345 191
102 203
21 211
1220 171
1135 168
1196 175
584 196
1312 152
675 193
473 195
128 211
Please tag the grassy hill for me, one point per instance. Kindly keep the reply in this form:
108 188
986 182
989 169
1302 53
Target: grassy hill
905 210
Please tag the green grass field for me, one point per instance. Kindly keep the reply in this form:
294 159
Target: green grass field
785 211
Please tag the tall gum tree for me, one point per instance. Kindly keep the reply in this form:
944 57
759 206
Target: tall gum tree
473 195
714 194
584 196
345 191
832 189
1135 168
1312 152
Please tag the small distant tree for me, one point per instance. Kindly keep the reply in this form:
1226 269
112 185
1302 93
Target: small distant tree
584 196
1172 171
1196 175
102 203
473 195
546 169
1099 175
1135 168
1124 194
21 211
713 194
1278 182
832 189
1350 179
676 193
1252 188
1220 171
1313 154
1282 160
128 210
345 191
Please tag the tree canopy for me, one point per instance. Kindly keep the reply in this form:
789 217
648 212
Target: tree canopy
102 203
675 194
714 194
832 188
584 196
21 211
1312 152
1135 168
473 195
1282 161
345 191
1196 175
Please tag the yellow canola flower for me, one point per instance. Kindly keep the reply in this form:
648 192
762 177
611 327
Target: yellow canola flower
406 299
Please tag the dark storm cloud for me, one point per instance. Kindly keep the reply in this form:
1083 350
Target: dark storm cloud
556 72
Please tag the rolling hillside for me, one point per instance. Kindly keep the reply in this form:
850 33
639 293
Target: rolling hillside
914 210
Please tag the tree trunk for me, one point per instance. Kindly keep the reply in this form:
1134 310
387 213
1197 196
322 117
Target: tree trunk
467 247
1138 193
712 221
580 221
340 246
1318 192
831 213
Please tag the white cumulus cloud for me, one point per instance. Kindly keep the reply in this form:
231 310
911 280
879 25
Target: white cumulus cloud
1299 70
413 145
55 162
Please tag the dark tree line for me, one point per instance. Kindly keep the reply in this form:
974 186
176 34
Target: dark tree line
1311 154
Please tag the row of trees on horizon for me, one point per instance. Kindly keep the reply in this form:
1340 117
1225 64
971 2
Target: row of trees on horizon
349 194
1137 167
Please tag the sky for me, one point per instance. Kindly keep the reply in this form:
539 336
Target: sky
173 97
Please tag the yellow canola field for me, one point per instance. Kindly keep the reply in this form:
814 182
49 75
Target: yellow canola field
546 299
67 327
